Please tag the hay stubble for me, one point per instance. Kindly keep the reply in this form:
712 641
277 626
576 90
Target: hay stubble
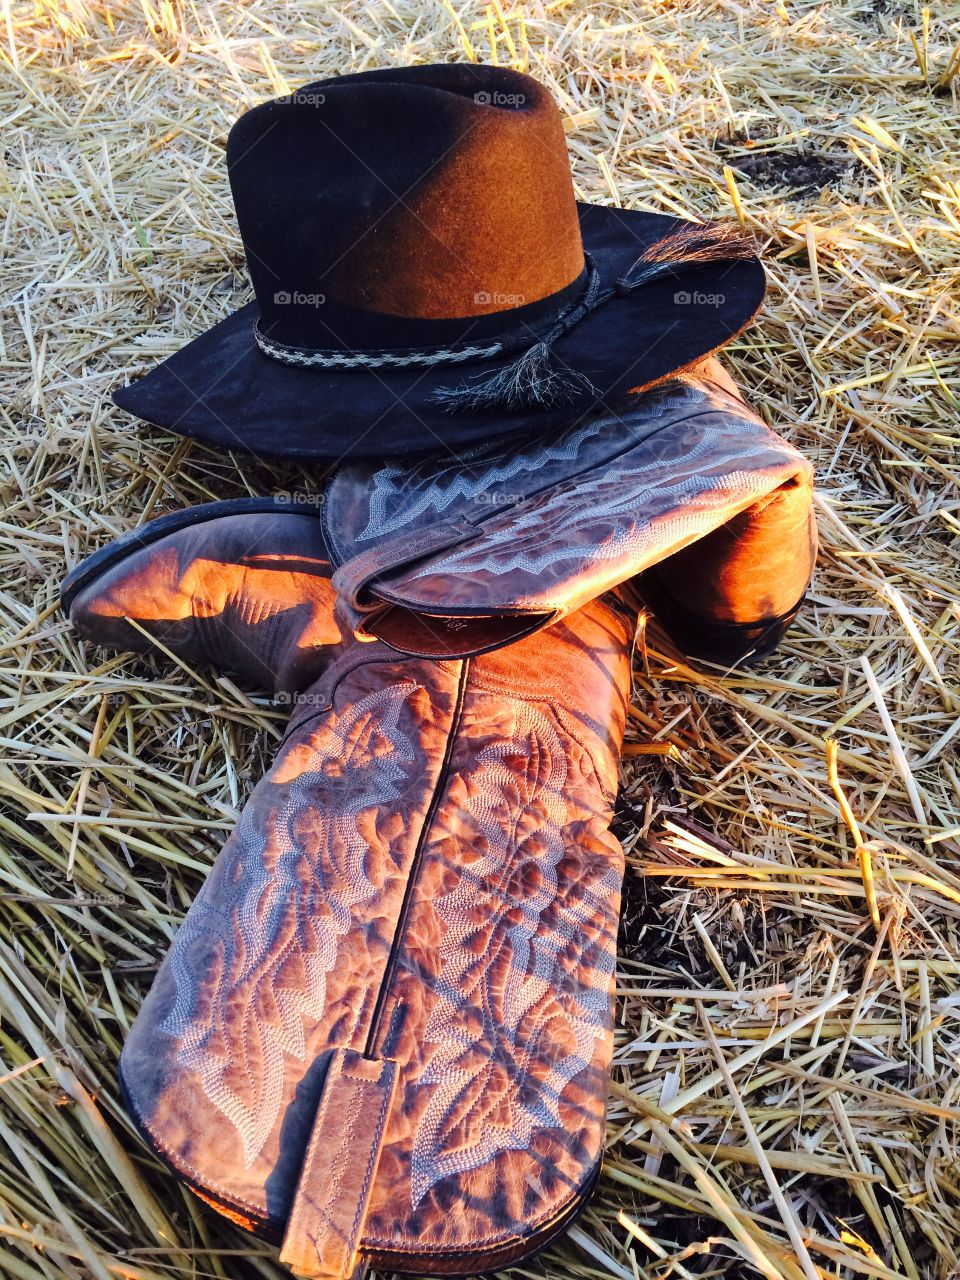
785 1098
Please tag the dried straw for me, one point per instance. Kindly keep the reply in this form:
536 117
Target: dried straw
785 1099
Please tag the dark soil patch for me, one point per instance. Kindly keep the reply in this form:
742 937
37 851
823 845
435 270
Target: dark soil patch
884 11
804 173
648 934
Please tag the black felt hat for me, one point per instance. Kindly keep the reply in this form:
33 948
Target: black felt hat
424 277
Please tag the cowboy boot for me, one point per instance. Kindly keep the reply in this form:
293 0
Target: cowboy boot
383 1032
242 585
685 486
732 594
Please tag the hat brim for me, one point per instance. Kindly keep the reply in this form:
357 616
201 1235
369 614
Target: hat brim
221 388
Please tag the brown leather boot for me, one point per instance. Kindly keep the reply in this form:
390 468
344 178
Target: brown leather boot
448 557
686 486
730 596
383 1031
243 585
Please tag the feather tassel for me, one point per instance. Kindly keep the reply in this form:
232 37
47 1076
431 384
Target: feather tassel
531 382
685 249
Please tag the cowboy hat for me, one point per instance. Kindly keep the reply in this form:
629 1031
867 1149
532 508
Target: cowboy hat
424 277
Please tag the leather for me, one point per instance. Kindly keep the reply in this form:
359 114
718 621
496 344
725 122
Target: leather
427 554
426 878
326 1221
249 593
383 1032
734 592
446 557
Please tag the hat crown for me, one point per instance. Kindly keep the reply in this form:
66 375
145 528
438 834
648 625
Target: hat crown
421 194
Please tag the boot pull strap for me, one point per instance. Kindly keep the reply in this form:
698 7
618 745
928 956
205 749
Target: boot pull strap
330 1203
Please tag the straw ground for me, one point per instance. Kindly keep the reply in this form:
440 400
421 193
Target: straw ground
785 1098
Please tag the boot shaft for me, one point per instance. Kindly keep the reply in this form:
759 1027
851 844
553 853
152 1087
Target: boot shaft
424 880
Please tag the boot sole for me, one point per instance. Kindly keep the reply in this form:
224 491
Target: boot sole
145 535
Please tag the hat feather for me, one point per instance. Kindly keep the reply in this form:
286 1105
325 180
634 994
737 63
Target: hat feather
531 382
685 249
